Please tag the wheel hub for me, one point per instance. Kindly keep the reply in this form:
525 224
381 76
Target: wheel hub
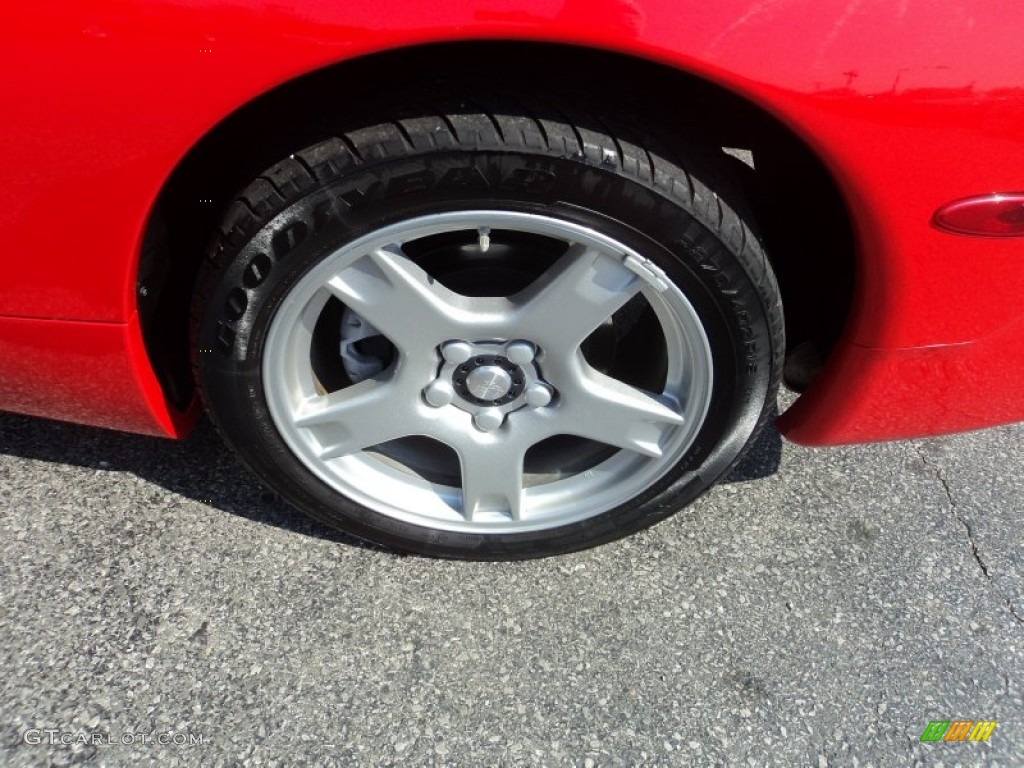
488 380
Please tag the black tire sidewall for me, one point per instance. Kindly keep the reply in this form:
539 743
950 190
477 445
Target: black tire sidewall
722 285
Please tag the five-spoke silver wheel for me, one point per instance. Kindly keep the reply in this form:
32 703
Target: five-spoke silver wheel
485 379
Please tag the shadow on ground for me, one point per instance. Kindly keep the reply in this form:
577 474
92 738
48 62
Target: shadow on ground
204 469
762 460
200 467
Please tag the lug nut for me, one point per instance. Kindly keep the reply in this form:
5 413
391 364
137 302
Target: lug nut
538 395
438 393
456 352
520 352
488 420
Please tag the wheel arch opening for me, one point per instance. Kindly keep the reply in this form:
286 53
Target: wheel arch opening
801 214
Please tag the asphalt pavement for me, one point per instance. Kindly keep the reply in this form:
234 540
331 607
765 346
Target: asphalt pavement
159 607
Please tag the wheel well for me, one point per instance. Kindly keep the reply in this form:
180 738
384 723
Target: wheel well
799 210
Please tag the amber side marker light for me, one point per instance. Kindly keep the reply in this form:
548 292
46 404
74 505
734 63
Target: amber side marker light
996 215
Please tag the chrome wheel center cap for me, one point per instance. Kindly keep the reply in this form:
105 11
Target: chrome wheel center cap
489 382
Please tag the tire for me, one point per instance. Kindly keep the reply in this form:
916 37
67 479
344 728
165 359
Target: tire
354 342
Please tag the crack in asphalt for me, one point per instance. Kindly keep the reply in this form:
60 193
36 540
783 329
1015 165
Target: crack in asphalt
975 552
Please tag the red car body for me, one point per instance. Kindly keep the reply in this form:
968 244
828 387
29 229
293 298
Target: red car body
909 105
